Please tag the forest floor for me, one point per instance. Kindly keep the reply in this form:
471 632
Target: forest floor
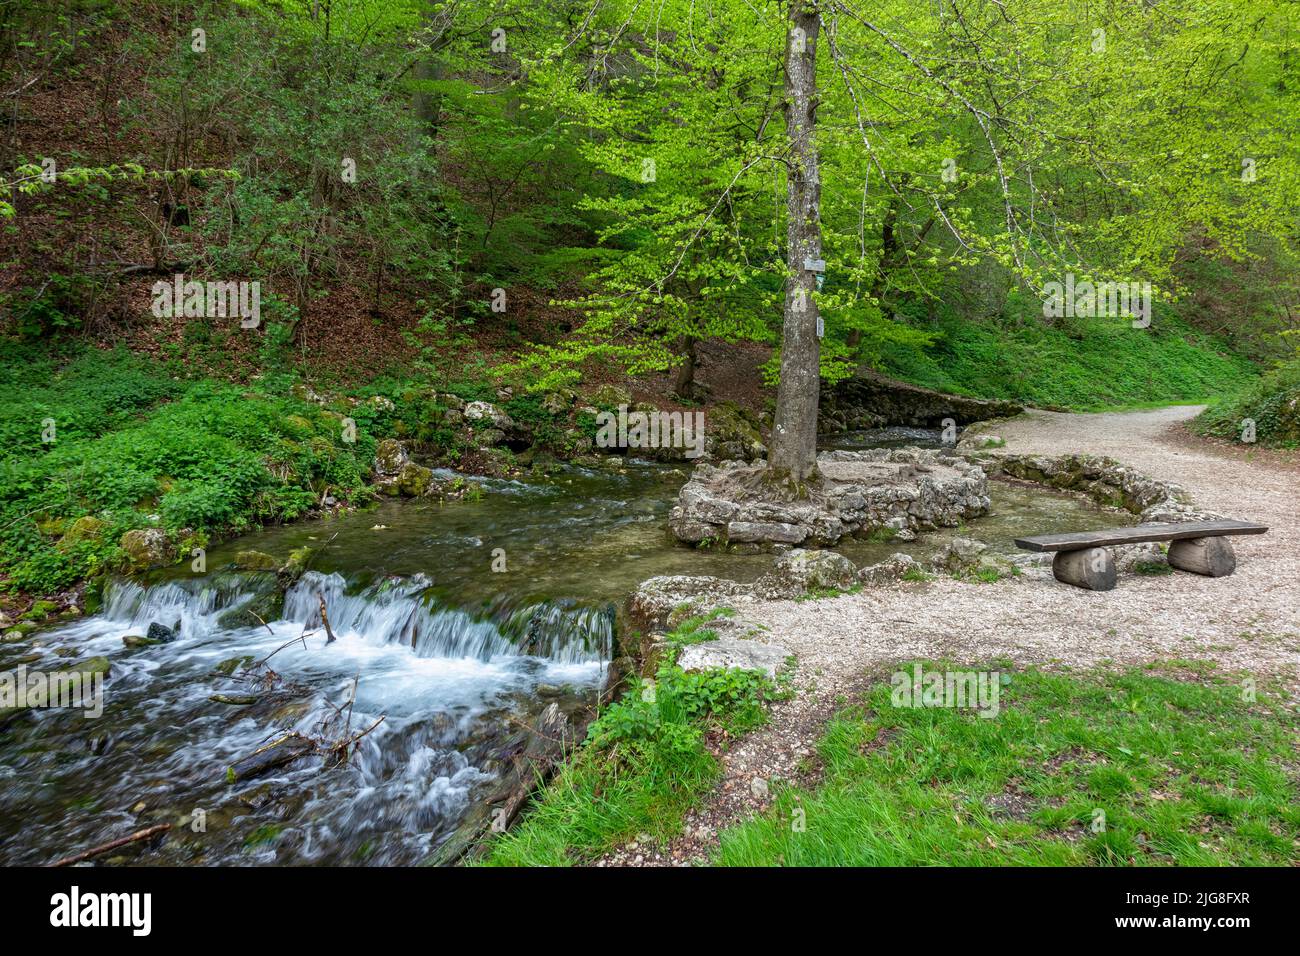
1247 623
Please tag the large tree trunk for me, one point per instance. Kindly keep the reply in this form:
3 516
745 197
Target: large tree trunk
684 385
794 432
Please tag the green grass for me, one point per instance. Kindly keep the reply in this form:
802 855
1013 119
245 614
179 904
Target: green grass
1272 402
646 761
1186 773
1095 365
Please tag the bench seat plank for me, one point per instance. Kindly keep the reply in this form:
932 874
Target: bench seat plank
1175 531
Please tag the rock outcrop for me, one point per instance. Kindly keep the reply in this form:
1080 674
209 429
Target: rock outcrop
800 571
857 493
396 475
871 400
728 653
662 602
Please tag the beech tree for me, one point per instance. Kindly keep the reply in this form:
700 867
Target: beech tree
901 143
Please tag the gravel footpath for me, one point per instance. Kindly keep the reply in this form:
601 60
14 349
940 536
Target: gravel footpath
1247 622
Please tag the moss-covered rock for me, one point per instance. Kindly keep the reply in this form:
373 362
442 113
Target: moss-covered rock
39 611
85 528
50 527
147 548
414 481
231 664
733 434
137 641
298 562
610 396
260 610
390 457
255 561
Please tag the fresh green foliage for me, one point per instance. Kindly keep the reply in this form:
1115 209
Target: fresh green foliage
1098 363
1272 404
644 763
131 447
1185 773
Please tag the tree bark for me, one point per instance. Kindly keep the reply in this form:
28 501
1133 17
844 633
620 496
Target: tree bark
794 431
684 386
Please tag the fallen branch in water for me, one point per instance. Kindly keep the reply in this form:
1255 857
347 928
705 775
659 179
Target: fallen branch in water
285 749
338 752
301 637
113 845
325 619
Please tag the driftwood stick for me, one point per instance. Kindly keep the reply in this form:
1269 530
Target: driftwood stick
342 750
325 619
351 700
300 637
113 845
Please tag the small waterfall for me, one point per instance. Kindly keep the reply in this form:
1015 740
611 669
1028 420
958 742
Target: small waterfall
402 612
392 611
194 603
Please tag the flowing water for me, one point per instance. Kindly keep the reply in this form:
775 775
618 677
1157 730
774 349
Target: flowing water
456 623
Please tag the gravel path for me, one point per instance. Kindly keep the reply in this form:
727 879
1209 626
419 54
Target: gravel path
1247 622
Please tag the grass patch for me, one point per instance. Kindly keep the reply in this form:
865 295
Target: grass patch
1091 364
645 762
1185 773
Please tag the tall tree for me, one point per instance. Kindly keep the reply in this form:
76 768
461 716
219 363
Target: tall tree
794 430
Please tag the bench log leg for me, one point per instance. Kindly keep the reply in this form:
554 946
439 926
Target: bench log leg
1212 557
1091 568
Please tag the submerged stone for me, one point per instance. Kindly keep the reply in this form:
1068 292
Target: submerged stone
255 561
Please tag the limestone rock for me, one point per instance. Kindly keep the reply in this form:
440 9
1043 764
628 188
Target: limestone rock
1104 481
961 554
414 481
869 399
728 653
894 568
136 641
85 528
161 633
558 402
904 489
390 458
799 571
611 396
492 414
293 568
255 561
653 603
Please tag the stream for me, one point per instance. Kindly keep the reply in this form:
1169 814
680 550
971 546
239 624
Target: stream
451 653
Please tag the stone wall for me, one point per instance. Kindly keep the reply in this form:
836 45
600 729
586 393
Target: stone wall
904 489
871 400
1104 480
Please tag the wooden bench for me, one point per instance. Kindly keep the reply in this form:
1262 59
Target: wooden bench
1082 558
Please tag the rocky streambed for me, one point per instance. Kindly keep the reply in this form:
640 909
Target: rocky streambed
463 633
